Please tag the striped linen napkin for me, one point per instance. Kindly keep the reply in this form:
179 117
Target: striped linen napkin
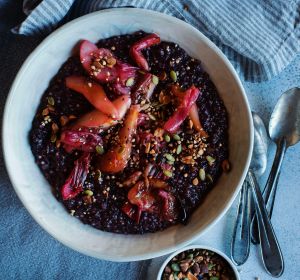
260 37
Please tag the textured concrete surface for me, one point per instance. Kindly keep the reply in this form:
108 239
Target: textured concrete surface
285 219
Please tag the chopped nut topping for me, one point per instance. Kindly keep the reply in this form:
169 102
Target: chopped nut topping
64 120
210 160
55 128
148 146
226 165
188 160
45 112
195 182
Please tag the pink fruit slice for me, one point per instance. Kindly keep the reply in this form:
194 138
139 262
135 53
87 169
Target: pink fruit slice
74 183
136 50
94 93
180 114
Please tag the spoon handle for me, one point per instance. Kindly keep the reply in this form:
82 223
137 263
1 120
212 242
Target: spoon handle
270 250
240 244
270 189
272 182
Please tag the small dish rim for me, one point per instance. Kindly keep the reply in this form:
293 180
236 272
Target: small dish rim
220 253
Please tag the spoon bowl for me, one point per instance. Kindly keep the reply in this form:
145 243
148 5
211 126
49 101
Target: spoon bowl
285 119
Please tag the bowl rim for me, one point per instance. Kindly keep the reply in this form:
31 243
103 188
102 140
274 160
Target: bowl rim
40 47
196 246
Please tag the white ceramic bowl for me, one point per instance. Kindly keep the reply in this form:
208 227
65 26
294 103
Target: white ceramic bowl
161 270
34 191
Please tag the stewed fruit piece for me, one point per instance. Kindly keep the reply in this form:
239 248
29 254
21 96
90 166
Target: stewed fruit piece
99 63
145 87
131 211
169 209
80 140
74 183
193 114
115 160
126 78
136 50
103 66
140 196
182 111
94 93
97 119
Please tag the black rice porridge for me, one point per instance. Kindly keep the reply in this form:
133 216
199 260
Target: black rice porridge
193 163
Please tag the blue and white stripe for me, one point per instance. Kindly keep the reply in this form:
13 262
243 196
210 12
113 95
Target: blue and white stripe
260 37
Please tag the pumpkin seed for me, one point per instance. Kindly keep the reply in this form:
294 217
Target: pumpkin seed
99 150
179 149
209 178
129 82
202 174
210 160
173 76
167 173
167 138
175 267
98 173
190 256
176 137
155 79
169 157
51 101
210 266
88 192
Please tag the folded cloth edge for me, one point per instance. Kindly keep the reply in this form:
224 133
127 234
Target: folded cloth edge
49 14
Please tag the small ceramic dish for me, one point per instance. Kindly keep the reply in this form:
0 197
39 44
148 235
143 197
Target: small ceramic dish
210 267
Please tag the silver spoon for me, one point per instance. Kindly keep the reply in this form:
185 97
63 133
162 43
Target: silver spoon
240 245
284 130
270 250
